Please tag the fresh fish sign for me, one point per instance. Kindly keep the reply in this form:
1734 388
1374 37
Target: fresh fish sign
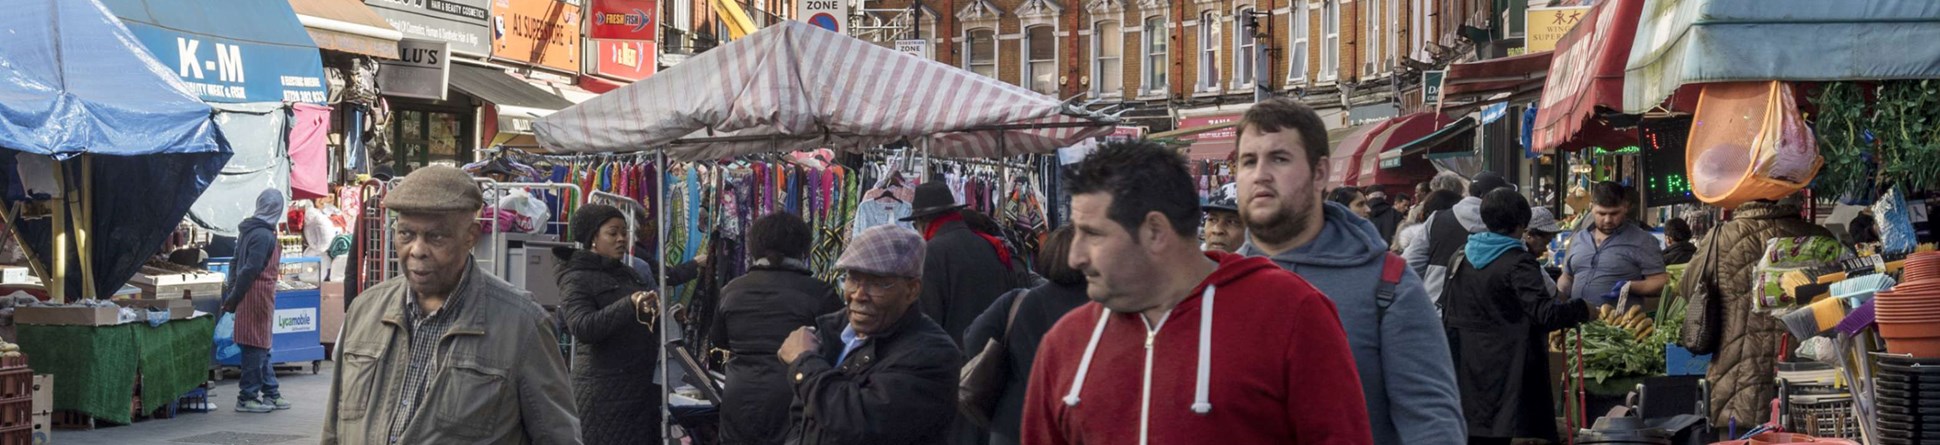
624 19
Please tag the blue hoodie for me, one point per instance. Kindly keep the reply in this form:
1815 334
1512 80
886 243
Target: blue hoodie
1405 369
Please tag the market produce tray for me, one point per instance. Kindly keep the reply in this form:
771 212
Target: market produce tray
1901 401
1925 395
1900 441
1910 411
1904 434
1913 419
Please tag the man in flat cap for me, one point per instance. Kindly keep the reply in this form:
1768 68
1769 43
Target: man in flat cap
446 353
875 372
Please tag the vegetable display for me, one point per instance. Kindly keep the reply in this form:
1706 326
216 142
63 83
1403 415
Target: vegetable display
1619 343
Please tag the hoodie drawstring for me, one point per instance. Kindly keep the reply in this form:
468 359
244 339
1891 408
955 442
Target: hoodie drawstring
1201 397
1084 365
1201 402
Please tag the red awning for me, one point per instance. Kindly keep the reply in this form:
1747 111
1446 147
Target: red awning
1344 161
1519 75
598 85
1365 167
1588 77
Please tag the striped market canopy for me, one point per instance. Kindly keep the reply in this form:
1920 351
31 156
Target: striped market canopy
795 87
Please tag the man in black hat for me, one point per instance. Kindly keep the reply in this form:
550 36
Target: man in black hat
1223 231
963 271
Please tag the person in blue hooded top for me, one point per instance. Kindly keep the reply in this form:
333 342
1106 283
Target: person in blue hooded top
1498 311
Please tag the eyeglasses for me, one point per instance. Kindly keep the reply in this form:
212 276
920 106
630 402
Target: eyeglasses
854 282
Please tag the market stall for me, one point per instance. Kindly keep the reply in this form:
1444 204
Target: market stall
101 163
792 87
1721 103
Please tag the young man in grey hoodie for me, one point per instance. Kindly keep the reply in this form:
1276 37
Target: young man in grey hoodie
1400 349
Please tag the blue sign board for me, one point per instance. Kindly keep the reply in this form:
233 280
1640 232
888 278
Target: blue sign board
230 50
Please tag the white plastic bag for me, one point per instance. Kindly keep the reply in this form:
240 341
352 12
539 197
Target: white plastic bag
533 209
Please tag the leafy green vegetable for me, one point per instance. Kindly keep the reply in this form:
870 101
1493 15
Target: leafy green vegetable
1610 351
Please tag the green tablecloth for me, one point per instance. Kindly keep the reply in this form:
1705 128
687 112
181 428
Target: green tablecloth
95 366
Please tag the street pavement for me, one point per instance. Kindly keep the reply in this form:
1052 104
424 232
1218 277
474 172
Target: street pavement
301 424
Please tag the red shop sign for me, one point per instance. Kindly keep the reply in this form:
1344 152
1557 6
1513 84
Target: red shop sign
624 19
624 59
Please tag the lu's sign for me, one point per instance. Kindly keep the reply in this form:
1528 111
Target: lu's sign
422 70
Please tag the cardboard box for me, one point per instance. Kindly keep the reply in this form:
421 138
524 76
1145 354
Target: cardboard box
16 274
332 311
43 393
68 316
178 309
43 427
163 284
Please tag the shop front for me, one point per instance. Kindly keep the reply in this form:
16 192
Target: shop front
355 40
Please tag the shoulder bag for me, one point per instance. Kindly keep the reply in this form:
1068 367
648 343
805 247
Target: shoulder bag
984 378
1704 313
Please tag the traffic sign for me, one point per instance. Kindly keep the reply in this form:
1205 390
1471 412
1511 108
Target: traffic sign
831 15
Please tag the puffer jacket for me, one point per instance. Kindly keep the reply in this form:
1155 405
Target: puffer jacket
614 355
1741 370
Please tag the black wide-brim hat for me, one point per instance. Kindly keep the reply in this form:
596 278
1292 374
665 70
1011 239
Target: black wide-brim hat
932 198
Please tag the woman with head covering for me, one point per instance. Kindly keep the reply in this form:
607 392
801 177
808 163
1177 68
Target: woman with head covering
251 294
757 312
614 353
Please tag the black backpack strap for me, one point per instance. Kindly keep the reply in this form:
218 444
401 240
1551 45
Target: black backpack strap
1391 268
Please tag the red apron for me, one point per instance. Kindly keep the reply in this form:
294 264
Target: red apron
258 307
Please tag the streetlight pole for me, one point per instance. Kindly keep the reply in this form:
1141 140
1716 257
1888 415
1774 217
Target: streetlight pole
1260 69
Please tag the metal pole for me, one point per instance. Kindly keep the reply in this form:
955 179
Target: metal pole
660 243
1260 70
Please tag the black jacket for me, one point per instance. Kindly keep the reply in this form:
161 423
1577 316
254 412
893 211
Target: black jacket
1497 319
896 388
1679 253
1385 218
757 312
1040 309
961 277
614 356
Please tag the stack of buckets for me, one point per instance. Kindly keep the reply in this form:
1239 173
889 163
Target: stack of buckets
1909 314
1907 394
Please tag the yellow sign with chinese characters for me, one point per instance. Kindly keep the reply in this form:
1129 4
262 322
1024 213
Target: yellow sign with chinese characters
1547 25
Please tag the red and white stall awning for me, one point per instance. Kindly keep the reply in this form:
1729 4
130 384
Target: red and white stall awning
796 87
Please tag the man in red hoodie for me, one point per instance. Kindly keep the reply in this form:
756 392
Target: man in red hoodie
1152 359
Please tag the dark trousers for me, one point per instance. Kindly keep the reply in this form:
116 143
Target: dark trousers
257 376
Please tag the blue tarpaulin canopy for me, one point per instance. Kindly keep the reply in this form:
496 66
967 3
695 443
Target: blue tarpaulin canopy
229 50
1682 42
130 146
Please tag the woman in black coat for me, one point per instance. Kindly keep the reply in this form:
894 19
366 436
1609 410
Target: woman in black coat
1039 309
614 355
1497 314
757 312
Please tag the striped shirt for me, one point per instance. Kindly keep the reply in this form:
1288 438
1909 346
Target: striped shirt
425 332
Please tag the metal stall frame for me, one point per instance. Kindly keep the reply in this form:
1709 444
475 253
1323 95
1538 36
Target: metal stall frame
495 237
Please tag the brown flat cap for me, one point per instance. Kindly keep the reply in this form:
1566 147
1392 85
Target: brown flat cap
435 189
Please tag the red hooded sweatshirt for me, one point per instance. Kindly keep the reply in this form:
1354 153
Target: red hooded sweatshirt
1274 369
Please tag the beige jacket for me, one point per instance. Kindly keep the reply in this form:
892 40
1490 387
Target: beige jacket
501 379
